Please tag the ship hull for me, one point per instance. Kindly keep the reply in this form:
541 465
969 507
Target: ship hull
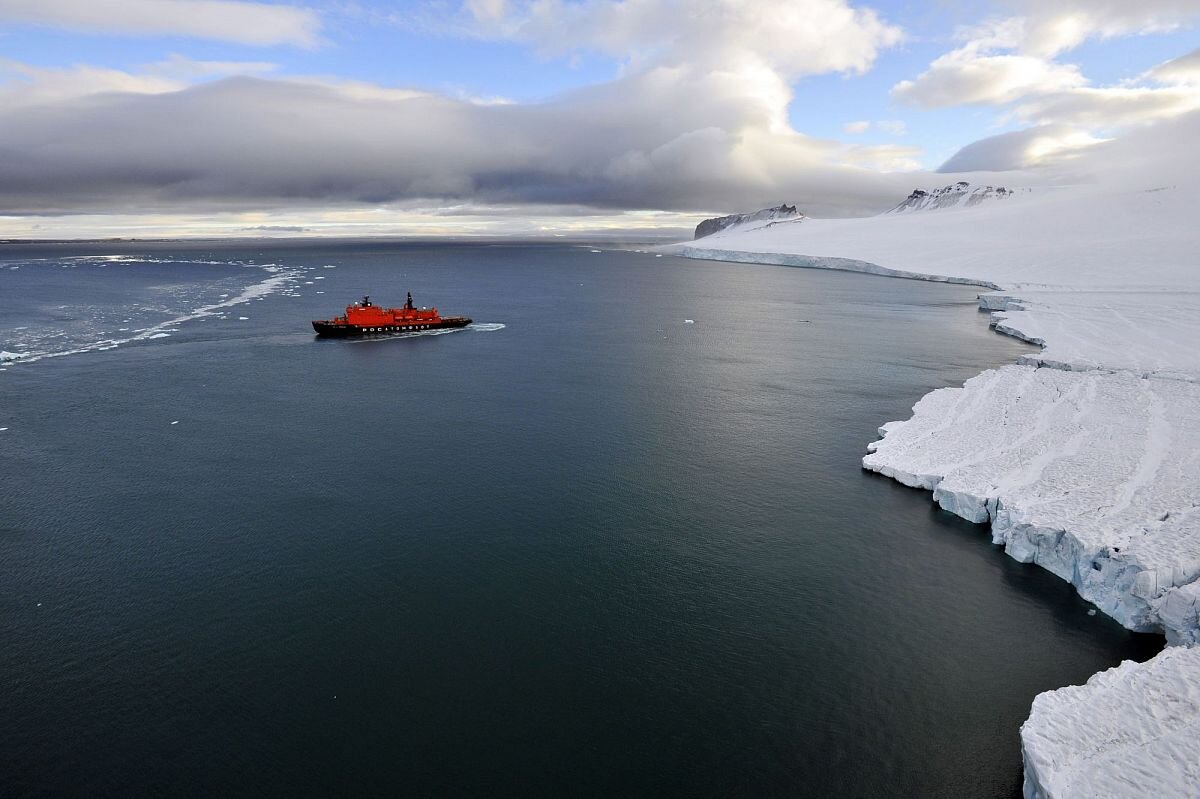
344 330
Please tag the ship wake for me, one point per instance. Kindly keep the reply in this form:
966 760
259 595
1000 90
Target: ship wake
478 327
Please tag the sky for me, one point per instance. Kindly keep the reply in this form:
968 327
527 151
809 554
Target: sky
142 118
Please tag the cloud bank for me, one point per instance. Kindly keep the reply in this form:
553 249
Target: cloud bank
240 142
697 120
226 20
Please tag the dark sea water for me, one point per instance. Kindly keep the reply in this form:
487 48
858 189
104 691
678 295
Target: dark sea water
583 548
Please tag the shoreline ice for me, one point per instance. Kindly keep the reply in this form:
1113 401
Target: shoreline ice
1083 457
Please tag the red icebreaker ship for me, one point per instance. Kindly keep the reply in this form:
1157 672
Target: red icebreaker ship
367 319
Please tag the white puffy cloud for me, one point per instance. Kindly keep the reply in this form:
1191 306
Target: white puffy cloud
1053 28
883 157
183 68
1014 62
1182 71
1149 157
1003 60
802 37
1020 149
893 127
964 77
23 84
1111 108
227 20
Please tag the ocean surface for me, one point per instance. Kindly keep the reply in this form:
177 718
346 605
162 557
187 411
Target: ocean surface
583 547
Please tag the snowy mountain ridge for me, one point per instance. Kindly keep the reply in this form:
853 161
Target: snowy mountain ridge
750 221
955 195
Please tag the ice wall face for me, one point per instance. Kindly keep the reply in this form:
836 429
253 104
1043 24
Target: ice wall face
1130 731
1092 476
780 213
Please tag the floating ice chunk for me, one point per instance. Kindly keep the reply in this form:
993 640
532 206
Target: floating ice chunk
689 321
243 318
595 250
319 277
329 266
2 429
175 422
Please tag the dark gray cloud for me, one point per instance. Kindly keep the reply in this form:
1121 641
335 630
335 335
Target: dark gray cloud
670 137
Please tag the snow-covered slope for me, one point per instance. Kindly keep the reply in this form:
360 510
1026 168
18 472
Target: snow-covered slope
752 221
1103 278
1090 467
956 195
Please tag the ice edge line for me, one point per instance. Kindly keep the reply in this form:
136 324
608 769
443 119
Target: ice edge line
1157 616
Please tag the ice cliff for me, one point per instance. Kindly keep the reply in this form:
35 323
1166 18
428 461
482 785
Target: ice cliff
1089 476
1085 457
751 221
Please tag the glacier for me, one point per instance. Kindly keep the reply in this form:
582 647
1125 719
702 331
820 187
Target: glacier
1084 458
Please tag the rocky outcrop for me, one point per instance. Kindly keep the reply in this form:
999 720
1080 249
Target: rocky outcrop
765 216
956 195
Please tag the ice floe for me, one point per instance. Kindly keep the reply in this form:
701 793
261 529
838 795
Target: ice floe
279 281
